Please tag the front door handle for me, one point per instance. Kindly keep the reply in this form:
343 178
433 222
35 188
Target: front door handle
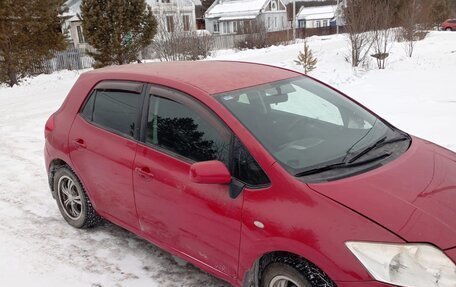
144 172
80 143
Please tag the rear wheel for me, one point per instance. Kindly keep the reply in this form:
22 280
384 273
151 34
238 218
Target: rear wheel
448 29
72 200
283 275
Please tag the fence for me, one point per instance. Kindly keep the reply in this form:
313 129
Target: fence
276 37
71 59
77 59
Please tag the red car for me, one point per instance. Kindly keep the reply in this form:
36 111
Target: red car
449 25
258 175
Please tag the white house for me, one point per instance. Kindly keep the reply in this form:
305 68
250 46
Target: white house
316 17
169 14
231 16
173 13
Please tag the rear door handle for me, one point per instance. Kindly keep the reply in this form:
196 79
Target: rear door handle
144 172
80 143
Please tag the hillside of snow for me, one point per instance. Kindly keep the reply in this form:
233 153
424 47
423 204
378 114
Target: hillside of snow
38 248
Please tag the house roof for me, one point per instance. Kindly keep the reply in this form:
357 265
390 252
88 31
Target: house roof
213 77
315 13
236 8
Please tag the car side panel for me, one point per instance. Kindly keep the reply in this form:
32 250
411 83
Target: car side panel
105 167
300 221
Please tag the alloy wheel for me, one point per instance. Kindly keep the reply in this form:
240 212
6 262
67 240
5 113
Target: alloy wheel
69 197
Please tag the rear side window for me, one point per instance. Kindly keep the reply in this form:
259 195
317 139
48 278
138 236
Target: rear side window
115 106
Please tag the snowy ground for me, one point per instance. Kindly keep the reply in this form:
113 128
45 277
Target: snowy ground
37 248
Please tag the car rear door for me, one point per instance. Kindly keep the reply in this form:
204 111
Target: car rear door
103 141
200 221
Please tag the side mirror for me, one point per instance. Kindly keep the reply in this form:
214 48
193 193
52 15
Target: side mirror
210 172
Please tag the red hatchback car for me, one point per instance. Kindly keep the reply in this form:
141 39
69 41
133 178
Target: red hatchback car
449 25
258 175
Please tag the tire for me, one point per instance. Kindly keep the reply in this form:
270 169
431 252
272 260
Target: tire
281 274
72 200
448 29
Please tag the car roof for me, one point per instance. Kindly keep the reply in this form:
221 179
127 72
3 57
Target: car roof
213 77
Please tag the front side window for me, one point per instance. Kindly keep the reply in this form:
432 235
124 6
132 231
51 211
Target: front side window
114 108
186 129
309 127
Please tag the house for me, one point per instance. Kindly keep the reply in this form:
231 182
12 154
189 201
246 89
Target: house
170 15
72 26
316 17
237 16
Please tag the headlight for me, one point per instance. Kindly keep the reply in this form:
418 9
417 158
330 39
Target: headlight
408 265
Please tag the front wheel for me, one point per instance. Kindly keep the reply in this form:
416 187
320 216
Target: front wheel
283 275
72 200
448 29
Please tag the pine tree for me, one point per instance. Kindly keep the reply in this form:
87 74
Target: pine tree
306 59
29 32
117 29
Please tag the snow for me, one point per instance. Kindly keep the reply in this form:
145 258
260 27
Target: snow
321 12
236 8
38 248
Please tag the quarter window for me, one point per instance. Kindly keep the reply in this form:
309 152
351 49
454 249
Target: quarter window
245 168
189 130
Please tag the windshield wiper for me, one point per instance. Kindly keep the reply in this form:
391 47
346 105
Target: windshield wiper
340 165
381 142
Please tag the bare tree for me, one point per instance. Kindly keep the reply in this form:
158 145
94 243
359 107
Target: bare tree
176 41
382 32
256 35
409 22
358 23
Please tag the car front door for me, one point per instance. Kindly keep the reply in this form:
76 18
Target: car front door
200 221
103 138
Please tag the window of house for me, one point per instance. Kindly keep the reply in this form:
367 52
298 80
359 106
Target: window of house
187 130
216 27
317 24
273 5
226 27
269 22
235 27
325 23
275 22
80 34
115 106
170 24
186 20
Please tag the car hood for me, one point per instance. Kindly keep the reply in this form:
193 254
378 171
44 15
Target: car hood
413 196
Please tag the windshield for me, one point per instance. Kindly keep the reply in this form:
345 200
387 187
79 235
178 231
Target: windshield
306 125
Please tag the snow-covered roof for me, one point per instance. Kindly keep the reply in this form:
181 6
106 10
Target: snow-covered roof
236 8
319 12
153 3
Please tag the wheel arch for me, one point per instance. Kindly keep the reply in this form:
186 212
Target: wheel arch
53 166
252 277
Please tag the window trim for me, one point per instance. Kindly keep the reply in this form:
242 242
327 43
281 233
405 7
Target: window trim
175 95
124 85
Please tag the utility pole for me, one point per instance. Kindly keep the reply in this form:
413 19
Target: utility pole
294 21
337 20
